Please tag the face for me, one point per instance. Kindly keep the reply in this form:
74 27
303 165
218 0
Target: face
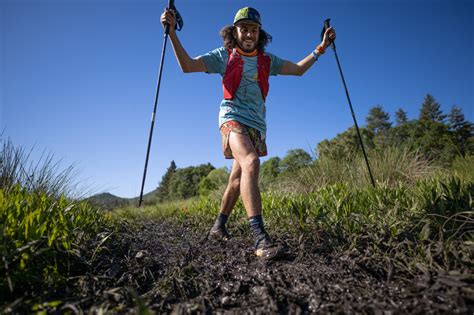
246 35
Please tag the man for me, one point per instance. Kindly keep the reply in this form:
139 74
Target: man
245 67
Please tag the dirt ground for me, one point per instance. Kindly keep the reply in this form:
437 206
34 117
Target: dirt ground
172 268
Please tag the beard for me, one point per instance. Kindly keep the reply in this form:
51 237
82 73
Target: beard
246 46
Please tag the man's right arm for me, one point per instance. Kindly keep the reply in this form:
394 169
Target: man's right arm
186 63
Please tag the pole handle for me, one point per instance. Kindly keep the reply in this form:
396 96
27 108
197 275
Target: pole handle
325 27
326 24
170 7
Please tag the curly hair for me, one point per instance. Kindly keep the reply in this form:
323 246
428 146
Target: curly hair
227 34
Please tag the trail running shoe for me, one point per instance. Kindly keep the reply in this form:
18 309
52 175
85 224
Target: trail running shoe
268 250
219 233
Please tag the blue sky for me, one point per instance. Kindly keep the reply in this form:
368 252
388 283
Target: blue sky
78 78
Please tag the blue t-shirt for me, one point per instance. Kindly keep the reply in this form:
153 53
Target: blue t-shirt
248 106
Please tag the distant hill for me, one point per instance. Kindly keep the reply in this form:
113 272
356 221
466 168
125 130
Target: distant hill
107 201
147 198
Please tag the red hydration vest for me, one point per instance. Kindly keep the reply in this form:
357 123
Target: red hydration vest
234 69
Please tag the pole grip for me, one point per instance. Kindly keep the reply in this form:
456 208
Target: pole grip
326 24
170 7
325 27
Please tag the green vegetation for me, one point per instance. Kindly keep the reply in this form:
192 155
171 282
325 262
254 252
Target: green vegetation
180 183
433 137
42 228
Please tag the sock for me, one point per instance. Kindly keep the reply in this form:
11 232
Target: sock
221 220
258 230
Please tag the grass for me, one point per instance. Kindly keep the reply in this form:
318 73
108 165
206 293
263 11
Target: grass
463 167
382 221
42 227
390 166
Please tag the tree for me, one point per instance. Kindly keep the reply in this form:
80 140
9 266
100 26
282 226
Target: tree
213 181
185 181
431 110
401 117
269 170
404 134
345 145
461 129
378 121
434 140
294 160
163 188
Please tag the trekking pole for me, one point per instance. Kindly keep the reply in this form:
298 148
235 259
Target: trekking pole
167 30
333 45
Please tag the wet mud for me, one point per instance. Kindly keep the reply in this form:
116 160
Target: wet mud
172 268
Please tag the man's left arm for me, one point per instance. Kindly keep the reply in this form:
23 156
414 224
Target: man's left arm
290 68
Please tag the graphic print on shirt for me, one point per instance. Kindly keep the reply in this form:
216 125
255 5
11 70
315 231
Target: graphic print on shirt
249 83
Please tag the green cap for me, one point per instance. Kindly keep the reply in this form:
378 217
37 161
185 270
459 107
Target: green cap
247 14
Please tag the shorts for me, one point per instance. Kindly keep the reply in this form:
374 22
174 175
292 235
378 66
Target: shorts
254 135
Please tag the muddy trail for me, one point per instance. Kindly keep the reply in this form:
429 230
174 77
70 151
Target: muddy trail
171 268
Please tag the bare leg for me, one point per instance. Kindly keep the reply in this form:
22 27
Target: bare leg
245 155
232 192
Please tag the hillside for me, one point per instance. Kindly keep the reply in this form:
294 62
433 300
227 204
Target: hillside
107 201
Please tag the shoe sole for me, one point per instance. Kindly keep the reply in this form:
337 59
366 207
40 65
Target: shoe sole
270 253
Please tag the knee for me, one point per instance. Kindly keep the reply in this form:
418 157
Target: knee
251 164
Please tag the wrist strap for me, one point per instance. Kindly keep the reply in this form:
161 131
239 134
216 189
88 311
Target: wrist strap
320 49
315 56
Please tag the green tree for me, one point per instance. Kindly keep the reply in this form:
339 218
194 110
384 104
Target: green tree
378 121
269 170
401 117
345 145
461 129
213 181
404 134
294 160
185 181
434 140
431 111
164 187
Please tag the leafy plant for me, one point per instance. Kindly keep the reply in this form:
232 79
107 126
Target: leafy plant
41 228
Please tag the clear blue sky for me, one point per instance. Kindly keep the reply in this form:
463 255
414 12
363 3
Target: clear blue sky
78 77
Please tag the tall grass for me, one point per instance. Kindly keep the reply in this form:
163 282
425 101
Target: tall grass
390 167
41 227
44 175
463 167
